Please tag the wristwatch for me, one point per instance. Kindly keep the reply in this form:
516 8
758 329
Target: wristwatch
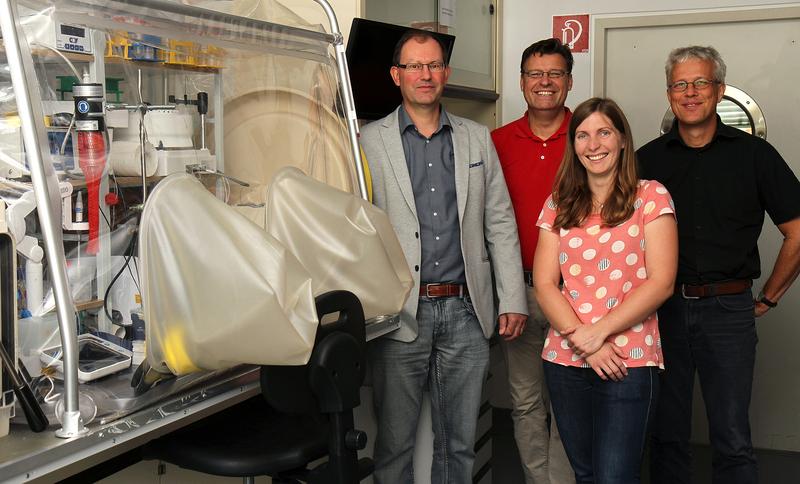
763 300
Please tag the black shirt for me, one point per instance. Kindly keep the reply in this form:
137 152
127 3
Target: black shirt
721 192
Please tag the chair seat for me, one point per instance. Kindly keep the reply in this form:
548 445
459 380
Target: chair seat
223 444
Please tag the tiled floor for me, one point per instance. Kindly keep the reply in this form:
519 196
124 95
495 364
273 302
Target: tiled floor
775 467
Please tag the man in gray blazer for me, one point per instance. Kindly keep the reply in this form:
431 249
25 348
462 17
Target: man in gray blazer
438 178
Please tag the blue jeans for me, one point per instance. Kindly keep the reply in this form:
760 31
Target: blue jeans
715 336
450 357
602 423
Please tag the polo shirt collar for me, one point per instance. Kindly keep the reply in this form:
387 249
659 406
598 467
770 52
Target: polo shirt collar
723 131
524 129
404 120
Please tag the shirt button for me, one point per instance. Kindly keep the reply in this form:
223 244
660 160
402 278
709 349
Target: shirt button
544 145
435 214
437 237
430 164
433 189
416 268
427 141
542 157
436 263
416 234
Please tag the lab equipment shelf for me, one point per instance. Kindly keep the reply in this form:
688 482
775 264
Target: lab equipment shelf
110 61
89 305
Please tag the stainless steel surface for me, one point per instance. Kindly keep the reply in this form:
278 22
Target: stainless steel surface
88 90
125 421
48 201
382 325
138 107
25 456
737 109
346 91
202 131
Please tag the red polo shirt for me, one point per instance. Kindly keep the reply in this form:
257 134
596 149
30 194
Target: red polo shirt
529 165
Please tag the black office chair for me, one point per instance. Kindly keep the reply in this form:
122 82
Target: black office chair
305 414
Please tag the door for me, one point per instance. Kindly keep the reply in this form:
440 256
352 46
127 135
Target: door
761 48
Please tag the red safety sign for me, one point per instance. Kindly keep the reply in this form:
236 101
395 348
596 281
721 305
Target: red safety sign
573 30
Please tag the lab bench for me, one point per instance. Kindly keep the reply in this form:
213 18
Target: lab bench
126 422
43 457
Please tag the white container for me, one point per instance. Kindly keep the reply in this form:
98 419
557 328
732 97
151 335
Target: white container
6 412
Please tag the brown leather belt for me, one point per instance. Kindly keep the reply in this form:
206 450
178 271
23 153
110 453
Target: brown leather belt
443 290
528 278
716 289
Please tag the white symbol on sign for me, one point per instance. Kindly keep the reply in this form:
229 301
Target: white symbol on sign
568 34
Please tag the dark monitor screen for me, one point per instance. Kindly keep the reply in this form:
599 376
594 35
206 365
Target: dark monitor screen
369 58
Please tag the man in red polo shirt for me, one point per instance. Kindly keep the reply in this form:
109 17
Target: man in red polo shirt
530 151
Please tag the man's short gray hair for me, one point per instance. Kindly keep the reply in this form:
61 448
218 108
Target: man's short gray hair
683 54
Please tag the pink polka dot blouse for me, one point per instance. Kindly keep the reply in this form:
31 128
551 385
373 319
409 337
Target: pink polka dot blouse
600 266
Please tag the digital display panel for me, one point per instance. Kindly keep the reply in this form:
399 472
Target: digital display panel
73 31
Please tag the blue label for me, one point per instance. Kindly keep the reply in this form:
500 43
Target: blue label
83 107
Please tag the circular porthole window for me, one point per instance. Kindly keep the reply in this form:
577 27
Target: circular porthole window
737 109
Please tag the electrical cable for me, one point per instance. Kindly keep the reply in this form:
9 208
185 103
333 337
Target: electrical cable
128 254
77 76
138 277
128 258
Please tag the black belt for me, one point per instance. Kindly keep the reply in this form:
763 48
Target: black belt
528 278
443 290
691 291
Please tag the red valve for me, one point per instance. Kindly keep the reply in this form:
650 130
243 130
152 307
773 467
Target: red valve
112 199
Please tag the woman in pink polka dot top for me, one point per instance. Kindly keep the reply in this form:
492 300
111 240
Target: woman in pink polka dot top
612 239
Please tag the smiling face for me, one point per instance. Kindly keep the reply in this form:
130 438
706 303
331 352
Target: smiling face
598 145
421 89
695 107
545 93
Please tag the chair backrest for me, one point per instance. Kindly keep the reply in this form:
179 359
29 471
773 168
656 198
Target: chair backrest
331 380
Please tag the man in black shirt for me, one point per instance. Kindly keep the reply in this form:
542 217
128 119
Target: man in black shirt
722 181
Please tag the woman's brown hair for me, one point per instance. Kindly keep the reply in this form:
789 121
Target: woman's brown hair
571 192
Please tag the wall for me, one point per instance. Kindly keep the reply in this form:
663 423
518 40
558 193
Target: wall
526 21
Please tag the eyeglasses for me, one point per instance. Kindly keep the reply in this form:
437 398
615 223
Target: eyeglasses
540 74
699 84
417 66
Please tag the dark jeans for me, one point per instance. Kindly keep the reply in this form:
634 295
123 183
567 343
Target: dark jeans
715 336
602 423
451 357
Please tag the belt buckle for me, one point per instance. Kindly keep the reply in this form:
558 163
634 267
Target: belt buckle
428 289
683 293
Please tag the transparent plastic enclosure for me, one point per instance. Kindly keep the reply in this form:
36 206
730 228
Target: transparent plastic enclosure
133 91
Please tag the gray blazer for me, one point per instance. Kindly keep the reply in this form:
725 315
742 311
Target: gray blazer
489 241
